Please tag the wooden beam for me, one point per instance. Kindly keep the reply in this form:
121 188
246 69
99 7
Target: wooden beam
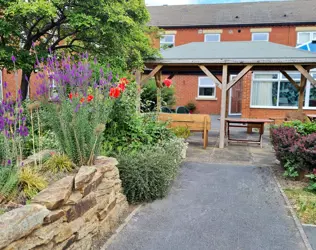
287 76
210 75
305 73
223 107
301 91
158 76
138 76
172 75
239 76
151 74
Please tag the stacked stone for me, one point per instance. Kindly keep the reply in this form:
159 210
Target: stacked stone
70 213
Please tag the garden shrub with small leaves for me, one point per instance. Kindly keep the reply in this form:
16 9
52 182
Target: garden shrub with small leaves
58 163
31 182
147 174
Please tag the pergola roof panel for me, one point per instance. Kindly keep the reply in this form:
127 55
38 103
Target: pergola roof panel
234 52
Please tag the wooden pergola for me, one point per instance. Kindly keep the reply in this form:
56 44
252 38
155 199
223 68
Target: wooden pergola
225 58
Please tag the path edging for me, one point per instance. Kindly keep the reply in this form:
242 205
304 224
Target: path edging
294 216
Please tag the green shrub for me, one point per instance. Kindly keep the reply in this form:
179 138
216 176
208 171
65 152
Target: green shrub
149 96
129 130
312 181
58 163
303 128
181 132
8 182
147 174
31 182
191 106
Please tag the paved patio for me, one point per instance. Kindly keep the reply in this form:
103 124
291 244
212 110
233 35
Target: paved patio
222 199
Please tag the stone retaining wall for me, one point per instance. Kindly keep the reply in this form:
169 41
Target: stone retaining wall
69 214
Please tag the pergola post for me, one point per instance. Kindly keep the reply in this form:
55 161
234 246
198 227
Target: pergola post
301 92
223 107
158 84
138 78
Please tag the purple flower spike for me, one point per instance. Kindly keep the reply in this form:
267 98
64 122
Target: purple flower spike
13 58
9 162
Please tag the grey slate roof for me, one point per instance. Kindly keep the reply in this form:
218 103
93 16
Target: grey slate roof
235 52
234 14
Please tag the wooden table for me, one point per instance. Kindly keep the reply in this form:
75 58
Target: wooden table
245 123
312 117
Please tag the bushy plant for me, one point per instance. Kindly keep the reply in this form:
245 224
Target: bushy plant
147 174
181 132
58 163
191 106
128 130
149 96
80 105
31 182
303 128
312 181
8 182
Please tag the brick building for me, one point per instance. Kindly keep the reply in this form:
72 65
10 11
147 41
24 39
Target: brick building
289 23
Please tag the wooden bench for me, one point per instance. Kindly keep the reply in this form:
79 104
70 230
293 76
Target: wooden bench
195 123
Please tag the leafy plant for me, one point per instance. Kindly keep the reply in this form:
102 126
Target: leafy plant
303 128
8 182
58 163
290 169
31 182
312 181
146 174
149 96
181 132
191 106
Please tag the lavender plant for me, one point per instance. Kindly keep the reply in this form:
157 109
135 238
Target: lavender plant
76 104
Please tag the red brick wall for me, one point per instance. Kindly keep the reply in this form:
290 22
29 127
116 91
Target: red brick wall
187 91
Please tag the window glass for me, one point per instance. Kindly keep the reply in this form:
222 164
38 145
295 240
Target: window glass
206 87
260 36
294 76
212 37
167 41
303 37
314 36
264 93
267 75
288 95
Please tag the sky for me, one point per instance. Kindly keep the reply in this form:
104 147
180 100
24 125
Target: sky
176 2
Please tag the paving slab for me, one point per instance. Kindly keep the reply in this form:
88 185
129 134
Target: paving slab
310 231
214 206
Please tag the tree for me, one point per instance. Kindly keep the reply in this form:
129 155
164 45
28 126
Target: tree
113 30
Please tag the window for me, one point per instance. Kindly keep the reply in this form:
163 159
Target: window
271 89
167 41
310 94
1 86
212 37
260 36
207 87
305 37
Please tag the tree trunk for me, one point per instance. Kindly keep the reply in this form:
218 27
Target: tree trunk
25 84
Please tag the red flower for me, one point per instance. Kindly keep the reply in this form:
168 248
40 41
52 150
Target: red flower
167 82
82 100
121 86
70 96
124 80
90 98
115 92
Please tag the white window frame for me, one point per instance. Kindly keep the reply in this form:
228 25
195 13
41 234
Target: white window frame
307 92
279 80
265 33
311 33
218 35
173 40
206 97
1 86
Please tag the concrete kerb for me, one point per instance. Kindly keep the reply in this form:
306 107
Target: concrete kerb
294 216
120 228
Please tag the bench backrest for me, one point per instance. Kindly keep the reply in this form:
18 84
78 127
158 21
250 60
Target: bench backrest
194 122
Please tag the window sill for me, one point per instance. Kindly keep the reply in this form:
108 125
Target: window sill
206 98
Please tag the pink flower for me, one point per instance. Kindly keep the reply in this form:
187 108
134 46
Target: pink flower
167 82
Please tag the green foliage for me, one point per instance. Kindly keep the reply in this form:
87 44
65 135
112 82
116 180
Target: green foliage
31 182
58 163
303 128
115 31
312 181
149 95
290 169
181 132
8 182
146 174
130 131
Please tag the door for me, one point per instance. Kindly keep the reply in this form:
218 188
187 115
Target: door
235 98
